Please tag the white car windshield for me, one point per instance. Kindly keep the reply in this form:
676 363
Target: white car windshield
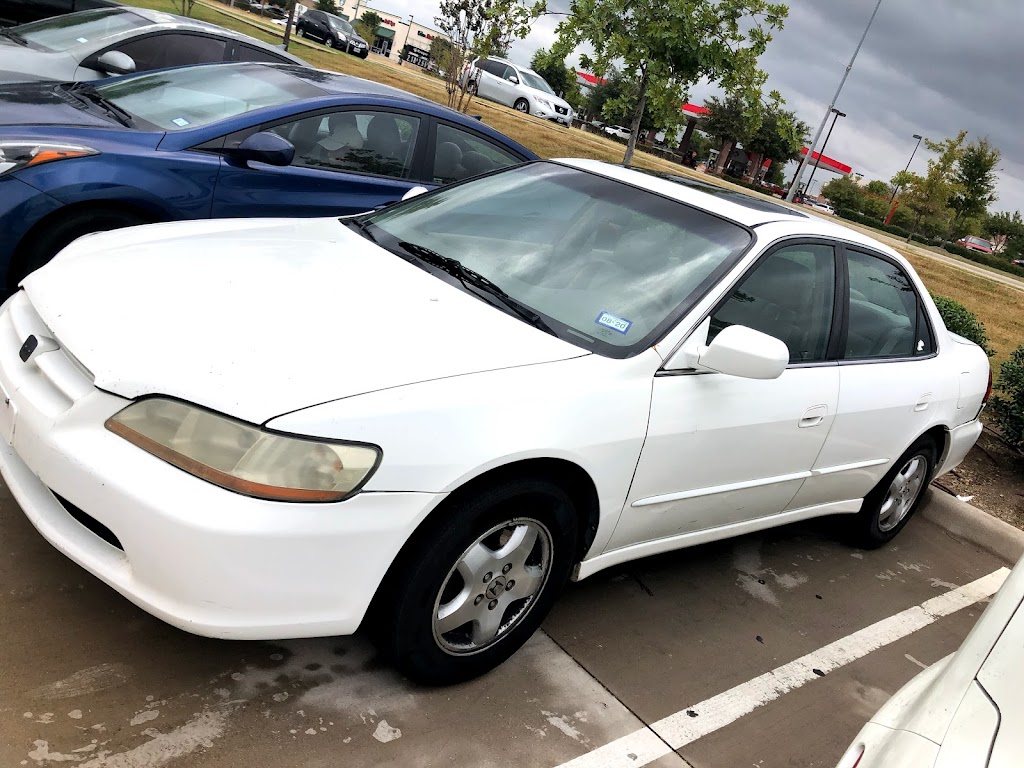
191 97
607 265
63 32
534 80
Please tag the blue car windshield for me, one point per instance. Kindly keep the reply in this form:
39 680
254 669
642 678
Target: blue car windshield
63 32
192 97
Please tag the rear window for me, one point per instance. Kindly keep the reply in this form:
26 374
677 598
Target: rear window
63 32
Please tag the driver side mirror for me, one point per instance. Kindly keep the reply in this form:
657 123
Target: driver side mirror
513 79
263 147
414 192
115 63
735 351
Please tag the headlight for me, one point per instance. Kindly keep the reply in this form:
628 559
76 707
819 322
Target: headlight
15 155
544 103
244 458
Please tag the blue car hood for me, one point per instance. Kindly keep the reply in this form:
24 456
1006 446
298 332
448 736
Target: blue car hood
43 104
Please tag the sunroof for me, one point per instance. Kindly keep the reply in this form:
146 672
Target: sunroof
747 201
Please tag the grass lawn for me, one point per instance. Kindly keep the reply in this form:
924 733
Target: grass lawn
996 304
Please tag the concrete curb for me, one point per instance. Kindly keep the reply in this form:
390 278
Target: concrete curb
973 525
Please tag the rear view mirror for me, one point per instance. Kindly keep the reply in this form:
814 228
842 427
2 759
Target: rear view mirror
414 192
742 351
115 63
264 147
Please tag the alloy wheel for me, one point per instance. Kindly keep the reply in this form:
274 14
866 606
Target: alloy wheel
492 586
522 106
903 492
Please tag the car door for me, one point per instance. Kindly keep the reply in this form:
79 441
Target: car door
346 161
891 381
168 49
488 80
506 90
723 450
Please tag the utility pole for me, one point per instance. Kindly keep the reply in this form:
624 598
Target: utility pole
837 115
897 189
795 186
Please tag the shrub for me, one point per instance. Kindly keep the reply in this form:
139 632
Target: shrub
961 321
1008 402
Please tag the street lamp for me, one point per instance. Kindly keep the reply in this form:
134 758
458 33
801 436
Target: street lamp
795 186
896 191
836 115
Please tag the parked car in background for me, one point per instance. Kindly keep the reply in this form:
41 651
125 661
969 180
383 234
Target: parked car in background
224 140
425 419
617 130
14 12
90 45
973 243
819 206
1019 262
333 31
965 710
518 87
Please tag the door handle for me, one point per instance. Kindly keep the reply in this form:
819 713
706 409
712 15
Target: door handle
923 402
813 416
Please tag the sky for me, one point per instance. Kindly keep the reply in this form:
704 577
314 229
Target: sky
931 67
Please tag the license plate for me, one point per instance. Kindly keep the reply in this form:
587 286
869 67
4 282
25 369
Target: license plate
8 411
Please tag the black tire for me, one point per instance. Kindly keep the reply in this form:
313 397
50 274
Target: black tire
302 32
870 528
329 42
522 105
47 243
407 614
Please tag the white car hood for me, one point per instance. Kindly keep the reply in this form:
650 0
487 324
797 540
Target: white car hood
259 317
537 92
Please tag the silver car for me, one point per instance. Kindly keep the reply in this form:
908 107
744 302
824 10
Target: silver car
114 41
517 87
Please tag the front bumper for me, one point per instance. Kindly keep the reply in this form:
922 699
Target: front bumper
199 557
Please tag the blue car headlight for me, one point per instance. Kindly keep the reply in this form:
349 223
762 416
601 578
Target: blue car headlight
18 154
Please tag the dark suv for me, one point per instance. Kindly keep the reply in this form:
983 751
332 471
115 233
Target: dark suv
333 31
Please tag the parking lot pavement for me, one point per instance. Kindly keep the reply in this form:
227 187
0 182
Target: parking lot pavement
89 680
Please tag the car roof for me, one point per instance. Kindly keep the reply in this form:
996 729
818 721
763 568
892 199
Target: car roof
731 204
161 21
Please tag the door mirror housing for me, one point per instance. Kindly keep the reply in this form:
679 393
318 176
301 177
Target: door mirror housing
115 63
735 351
414 192
513 79
263 147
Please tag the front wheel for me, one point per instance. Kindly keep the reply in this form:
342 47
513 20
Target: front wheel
522 105
891 504
329 42
479 583
302 32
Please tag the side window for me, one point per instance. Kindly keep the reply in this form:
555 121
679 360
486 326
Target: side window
172 50
491 67
249 53
790 295
885 317
460 154
381 143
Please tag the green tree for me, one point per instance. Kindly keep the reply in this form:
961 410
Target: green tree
552 68
664 46
441 53
779 137
480 28
1005 229
327 6
732 120
366 25
877 187
843 193
975 177
928 196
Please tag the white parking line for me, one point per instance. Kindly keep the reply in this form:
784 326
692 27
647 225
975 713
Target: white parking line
687 725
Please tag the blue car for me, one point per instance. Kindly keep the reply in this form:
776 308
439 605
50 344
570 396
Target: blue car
218 140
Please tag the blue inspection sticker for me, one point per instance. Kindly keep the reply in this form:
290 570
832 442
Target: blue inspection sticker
617 324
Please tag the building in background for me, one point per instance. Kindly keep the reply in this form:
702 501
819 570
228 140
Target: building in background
394 37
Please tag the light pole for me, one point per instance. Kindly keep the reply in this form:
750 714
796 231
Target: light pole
896 191
836 115
803 163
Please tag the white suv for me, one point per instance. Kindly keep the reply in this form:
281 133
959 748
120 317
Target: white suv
518 87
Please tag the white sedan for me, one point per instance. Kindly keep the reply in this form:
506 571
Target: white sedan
427 418
964 711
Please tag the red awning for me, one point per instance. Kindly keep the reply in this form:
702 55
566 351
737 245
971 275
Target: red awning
592 79
828 162
695 110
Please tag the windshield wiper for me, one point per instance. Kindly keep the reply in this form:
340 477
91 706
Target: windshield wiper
13 36
87 93
470 277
